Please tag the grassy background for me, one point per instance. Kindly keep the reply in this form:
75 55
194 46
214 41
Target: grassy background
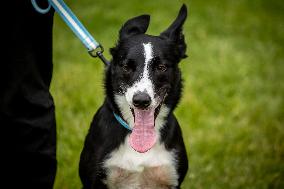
232 110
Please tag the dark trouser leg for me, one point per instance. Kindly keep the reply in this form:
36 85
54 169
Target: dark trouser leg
27 119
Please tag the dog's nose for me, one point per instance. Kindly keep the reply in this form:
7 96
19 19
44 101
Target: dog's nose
141 100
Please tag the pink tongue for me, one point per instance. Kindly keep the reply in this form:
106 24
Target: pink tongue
143 136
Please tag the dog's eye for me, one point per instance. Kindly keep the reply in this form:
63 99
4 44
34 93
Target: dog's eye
126 68
162 67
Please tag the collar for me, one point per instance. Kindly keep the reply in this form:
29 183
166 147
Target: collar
122 122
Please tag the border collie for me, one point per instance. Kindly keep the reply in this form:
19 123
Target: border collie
135 141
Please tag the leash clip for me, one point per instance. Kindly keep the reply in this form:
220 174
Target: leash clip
98 52
94 48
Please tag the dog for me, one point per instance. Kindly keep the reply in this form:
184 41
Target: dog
135 141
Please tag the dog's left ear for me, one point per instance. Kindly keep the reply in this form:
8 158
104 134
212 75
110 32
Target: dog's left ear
134 26
174 32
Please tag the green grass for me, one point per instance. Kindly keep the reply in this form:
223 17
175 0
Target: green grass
232 110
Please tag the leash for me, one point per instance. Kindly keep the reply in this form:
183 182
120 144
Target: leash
94 48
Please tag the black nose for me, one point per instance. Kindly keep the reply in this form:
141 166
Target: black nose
141 100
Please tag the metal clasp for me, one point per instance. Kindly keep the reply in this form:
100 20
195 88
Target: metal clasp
98 52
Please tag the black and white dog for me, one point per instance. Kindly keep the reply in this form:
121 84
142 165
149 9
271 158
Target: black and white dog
135 141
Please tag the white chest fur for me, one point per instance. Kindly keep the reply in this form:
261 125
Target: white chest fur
130 169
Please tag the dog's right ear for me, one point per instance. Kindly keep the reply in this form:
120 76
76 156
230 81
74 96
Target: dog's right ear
174 32
134 26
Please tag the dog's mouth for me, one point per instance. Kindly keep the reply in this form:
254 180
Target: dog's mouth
156 110
143 136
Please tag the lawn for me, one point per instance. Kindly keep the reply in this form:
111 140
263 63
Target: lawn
232 110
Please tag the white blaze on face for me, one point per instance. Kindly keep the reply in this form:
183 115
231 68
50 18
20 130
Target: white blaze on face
148 54
144 84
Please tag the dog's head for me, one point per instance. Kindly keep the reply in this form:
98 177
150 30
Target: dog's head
143 81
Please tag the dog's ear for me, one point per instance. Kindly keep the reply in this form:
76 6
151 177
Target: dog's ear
174 32
134 26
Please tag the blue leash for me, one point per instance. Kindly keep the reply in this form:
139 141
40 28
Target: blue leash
81 32
94 48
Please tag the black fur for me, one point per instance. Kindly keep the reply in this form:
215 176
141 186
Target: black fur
105 133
